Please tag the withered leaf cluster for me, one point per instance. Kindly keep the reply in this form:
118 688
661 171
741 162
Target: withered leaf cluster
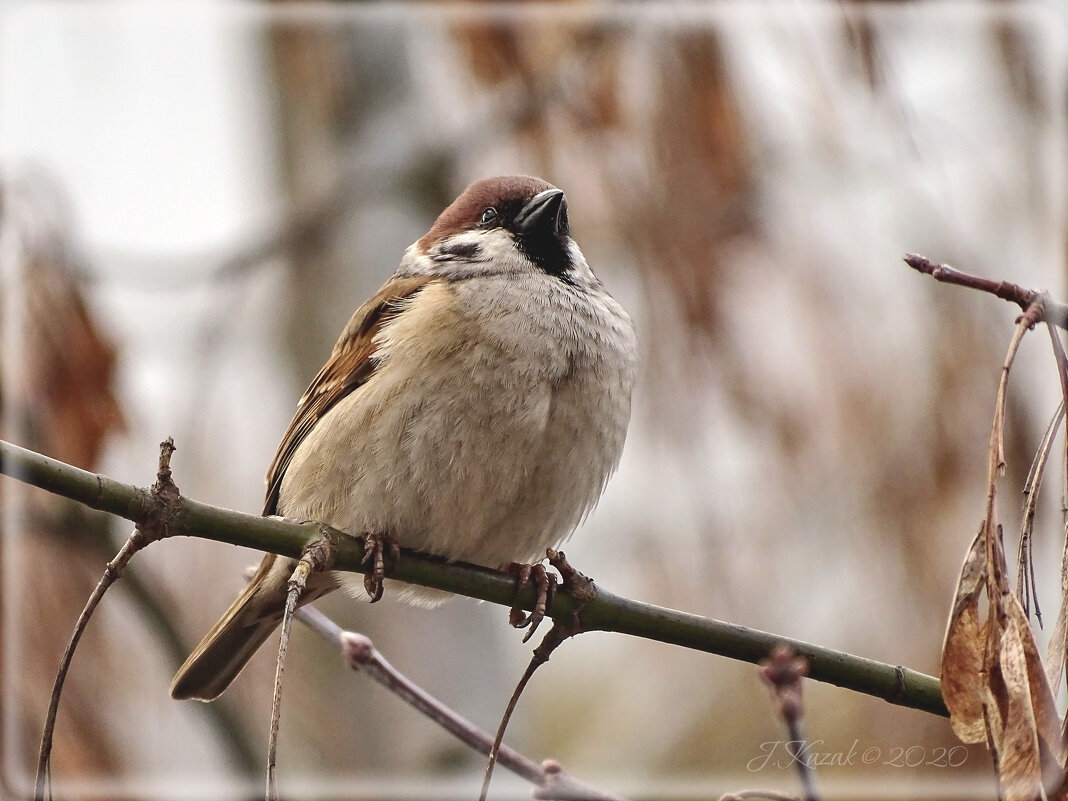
995 684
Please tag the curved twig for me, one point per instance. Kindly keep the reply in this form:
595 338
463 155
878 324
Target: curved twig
552 781
152 526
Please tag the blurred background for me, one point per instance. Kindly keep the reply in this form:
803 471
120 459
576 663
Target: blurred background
193 200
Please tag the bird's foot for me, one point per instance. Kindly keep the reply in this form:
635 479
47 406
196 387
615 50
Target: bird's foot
375 547
544 586
578 585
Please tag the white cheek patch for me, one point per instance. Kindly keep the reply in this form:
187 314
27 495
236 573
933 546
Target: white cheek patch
581 273
476 252
498 245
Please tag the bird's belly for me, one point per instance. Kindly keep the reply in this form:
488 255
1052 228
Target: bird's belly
491 469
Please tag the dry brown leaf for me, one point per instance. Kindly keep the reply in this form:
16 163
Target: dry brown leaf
993 679
1058 640
993 716
972 574
963 650
1023 730
962 675
57 376
1043 704
1019 763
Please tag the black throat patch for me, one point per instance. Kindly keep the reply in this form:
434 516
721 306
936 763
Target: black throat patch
548 252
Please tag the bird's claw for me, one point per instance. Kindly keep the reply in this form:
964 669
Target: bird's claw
545 587
577 585
375 546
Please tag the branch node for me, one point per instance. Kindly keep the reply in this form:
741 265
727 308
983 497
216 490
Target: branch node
322 552
357 649
1034 312
783 672
161 502
550 767
163 472
900 690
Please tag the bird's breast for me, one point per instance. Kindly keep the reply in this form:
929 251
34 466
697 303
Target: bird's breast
485 433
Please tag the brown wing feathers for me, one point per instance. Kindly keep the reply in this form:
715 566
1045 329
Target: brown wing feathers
350 365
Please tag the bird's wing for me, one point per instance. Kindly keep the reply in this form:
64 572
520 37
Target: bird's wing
350 365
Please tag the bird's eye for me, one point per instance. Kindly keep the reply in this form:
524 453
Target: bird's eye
488 218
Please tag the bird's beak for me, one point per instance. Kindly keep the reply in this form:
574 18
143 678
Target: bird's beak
541 215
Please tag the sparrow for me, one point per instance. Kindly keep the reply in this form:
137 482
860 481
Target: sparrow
473 408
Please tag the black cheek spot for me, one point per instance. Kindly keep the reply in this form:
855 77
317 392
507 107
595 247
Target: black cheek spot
466 251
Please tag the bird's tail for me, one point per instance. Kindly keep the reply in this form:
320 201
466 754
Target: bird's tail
225 650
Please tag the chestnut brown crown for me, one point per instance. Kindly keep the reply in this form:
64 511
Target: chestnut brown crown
506 194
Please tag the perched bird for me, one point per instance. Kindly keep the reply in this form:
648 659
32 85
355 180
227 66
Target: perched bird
473 409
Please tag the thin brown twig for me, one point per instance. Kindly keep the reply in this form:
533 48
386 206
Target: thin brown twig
1056 647
1062 361
995 554
154 528
1050 311
783 672
583 590
317 557
1062 373
553 638
552 781
1026 589
112 571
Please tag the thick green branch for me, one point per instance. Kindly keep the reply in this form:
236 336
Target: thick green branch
607 612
